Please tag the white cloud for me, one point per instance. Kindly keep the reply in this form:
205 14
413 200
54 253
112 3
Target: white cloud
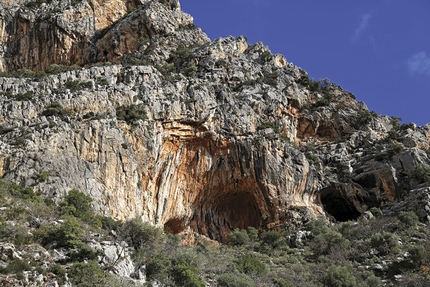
419 64
363 25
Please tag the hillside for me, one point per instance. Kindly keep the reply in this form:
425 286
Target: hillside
132 106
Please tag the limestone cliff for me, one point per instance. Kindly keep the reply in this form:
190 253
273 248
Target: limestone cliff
187 133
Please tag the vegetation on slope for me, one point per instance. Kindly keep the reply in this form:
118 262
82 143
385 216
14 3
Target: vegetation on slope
376 250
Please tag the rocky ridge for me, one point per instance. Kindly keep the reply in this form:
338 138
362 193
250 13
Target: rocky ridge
184 128
130 103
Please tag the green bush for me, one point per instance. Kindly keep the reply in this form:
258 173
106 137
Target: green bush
131 114
141 234
87 275
189 26
108 223
55 109
56 69
408 217
16 266
68 233
273 239
417 254
394 149
384 242
157 267
79 205
279 282
14 190
239 237
375 211
235 280
81 251
266 56
339 277
27 96
364 117
185 274
250 265
325 243
422 173
58 270
76 85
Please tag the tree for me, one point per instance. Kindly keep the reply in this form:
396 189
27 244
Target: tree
339 277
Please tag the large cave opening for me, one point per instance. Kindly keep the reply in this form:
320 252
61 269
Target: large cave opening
226 212
238 210
338 206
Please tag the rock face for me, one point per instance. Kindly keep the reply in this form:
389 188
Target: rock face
185 132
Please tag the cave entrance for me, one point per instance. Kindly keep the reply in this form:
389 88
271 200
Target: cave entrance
228 211
341 208
174 226
238 210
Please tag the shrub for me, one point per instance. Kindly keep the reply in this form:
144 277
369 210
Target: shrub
43 176
339 277
250 265
234 280
422 173
78 85
408 217
27 96
87 275
157 267
13 189
273 239
58 270
142 235
364 117
131 114
82 251
181 55
185 274
56 69
271 79
108 223
325 243
189 26
416 255
266 56
68 233
79 205
55 109
394 149
16 266
375 211
384 242
279 282
102 81
239 237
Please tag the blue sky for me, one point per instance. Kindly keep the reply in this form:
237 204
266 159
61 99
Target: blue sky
379 50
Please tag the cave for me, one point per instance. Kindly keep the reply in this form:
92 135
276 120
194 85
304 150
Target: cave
340 208
238 210
225 213
341 202
174 226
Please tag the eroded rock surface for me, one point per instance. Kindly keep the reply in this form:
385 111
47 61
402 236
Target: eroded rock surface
188 133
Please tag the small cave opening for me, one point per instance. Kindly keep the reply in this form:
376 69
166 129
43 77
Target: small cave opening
336 205
174 226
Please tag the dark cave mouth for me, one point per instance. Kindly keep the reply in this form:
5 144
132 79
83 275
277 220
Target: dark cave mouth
174 226
339 207
238 210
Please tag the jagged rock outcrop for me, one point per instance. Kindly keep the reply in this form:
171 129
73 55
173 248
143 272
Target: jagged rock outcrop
36 34
187 133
